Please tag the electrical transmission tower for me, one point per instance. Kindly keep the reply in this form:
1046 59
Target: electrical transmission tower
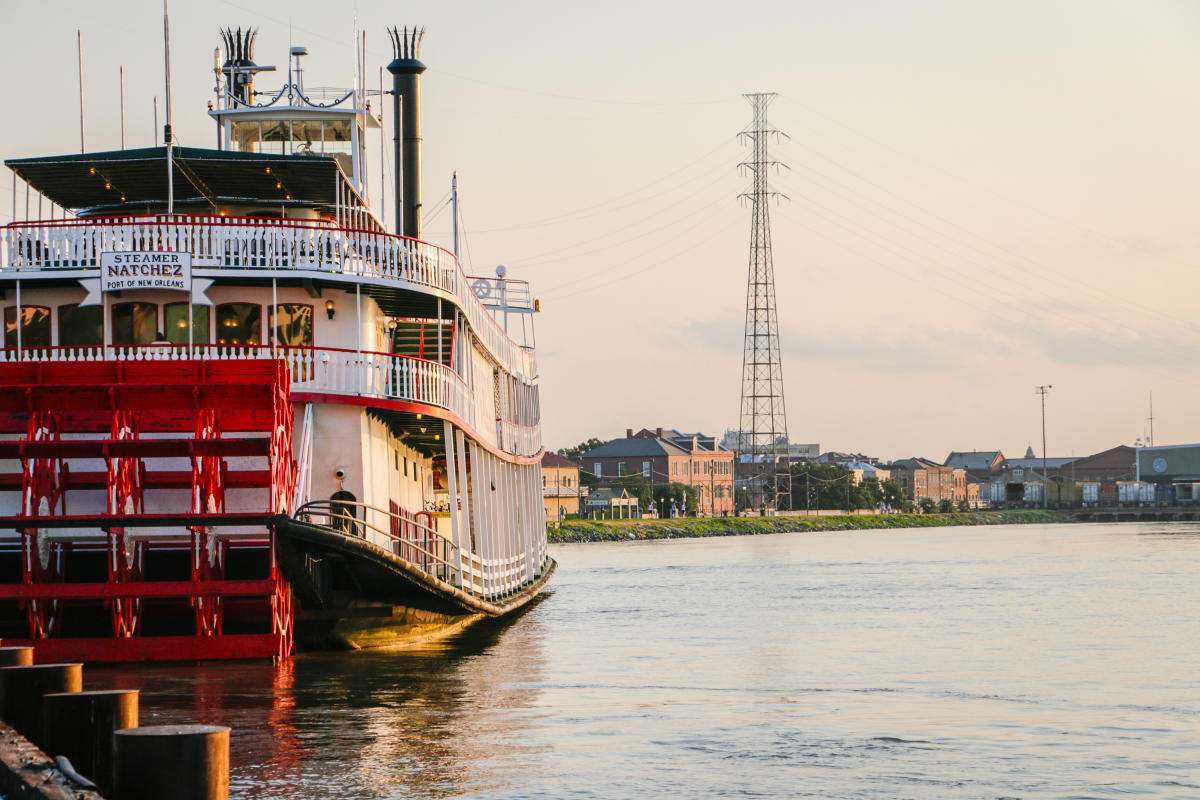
763 439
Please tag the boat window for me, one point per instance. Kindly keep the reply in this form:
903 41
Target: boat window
134 323
293 325
35 326
80 326
304 137
276 137
336 136
307 137
245 136
176 322
239 323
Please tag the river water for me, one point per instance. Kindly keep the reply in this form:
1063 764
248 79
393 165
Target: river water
984 662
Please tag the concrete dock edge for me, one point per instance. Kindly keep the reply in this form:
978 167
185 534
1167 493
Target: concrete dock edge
26 773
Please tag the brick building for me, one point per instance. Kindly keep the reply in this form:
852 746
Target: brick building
669 456
920 478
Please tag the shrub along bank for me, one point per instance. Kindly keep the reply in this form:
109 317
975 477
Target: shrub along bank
619 530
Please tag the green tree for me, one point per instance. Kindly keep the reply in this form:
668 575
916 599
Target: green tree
741 498
964 506
927 505
823 486
893 495
636 485
578 450
869 493
667 493
945 506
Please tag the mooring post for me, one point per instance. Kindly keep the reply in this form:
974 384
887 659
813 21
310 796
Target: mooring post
16 656
22 690
82 726
183 762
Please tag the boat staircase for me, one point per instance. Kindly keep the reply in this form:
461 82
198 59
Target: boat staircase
140 501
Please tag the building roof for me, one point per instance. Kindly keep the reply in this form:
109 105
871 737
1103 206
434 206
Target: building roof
1036 463
129 180
974 459
550 459
913 463
1119 457
634 448
609 494
682 440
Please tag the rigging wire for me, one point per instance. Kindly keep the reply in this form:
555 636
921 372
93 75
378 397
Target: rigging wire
929 165
620 201
1043 272
611 243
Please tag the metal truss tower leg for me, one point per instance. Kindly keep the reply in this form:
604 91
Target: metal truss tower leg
763 437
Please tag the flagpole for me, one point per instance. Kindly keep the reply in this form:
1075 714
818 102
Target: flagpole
168 136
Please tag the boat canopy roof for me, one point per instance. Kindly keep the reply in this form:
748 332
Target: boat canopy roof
127 181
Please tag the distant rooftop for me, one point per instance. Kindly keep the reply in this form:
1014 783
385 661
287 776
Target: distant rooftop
550 459
974 459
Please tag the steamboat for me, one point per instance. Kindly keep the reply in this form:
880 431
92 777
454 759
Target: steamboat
238 415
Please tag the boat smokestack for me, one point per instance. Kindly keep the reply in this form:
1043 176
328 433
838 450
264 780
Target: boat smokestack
406 70
239 66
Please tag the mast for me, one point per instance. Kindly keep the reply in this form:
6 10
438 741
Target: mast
79 57
122 107
168 137
454 208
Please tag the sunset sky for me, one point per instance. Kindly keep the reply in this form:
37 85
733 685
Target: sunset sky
984 197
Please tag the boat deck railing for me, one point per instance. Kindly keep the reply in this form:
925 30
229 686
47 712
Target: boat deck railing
247 243
322 370
419 545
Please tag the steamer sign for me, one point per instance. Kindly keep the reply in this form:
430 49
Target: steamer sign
152 269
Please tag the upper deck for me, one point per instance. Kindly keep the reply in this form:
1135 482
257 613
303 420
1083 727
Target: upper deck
250 248
399 273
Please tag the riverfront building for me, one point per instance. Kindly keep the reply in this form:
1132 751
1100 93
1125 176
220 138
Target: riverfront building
921 479
668 456
561 490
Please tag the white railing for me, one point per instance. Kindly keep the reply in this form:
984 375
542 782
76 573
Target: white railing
322 370
248 243
523 439
421 546
303 491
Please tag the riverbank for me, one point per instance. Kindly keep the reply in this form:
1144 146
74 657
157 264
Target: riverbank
619 530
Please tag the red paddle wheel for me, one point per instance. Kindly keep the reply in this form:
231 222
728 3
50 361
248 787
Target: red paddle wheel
190 568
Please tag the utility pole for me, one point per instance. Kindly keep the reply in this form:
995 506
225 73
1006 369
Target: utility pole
1151 418
1042 390
763 427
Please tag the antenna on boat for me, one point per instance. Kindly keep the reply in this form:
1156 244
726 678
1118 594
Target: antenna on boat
382 156
79 58
454 208
122 107
168 137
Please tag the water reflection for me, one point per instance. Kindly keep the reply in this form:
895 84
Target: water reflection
440 720
1010 661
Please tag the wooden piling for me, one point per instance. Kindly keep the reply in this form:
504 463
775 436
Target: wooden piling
82 726
22 689
183 762
16 656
